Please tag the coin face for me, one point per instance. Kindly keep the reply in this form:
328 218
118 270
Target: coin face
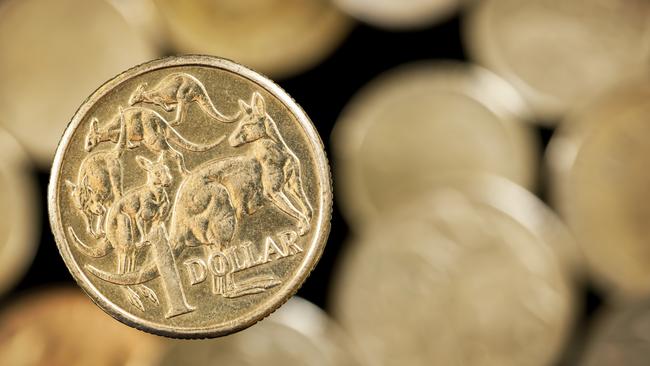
63 328
451 281
592 45
396 14
297 334
190 197
600 183
275 37
43 75
621 337
405 131
19 218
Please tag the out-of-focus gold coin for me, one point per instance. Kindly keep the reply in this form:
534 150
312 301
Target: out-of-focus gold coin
55 53
411 126
297 334
599 161
63 328
560 52
275 37
621 337
399 14
453 281
190 197
20 222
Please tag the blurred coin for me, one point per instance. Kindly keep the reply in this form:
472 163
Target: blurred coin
275 37
54 53
621 337
412 125
20 220
144 16
558 52
451 281
601 184
62 327
399 14
299 333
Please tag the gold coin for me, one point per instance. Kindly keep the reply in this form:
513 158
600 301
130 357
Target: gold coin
190 197
405 130
297 334
452 281
559 52
63 328
276 37
621 337
400 14
43 74
20 221
599 162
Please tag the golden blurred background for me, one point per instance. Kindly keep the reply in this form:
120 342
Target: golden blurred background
489 160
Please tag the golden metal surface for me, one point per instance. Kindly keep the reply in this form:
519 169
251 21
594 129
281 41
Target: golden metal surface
560 52
600 180
20 221
420 122
621 337
44 76
190 197
62 327
275 37
399 14
450 280
297 334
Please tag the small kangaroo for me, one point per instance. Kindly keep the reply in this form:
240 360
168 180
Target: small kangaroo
145 127
129 221
178 91
99 184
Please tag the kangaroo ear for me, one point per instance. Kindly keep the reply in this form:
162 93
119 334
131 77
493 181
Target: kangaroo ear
244 107
258 105
143 162
72 186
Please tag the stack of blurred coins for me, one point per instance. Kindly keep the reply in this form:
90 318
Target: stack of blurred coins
491 194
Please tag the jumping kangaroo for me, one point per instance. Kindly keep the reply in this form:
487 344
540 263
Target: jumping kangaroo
145 127
129 221
99 184
178 91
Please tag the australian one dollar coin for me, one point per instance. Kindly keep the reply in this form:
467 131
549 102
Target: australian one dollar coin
190 197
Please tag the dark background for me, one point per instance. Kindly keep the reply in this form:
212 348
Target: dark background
323 91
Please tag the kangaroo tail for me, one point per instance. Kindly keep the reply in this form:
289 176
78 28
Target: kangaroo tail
208 107
96 252
180 141
131 278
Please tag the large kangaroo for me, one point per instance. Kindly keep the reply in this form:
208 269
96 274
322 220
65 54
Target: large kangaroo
129 221
145 127
178 91
99 184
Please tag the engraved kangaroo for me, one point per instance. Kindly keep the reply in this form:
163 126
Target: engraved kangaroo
129 222
281 180
99 184
145 127
178 91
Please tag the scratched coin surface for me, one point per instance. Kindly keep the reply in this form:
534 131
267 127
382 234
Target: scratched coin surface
190 197
600 185
451 281
299 333
275 37
62 327
621 337
42 75
399 14
559 52
19 215
411 126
